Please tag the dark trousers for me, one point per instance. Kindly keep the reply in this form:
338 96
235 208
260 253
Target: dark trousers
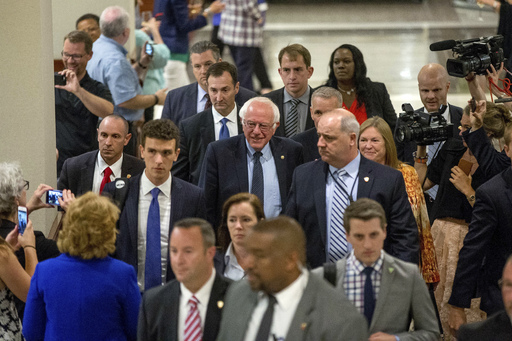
244 59
260 70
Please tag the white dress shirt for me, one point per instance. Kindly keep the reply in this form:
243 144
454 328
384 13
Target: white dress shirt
99 169
287 301
202 295
231 124
164 201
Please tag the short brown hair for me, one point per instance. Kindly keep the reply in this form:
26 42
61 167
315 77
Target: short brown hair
204 226
295 50
161 129
76 37
218 69
364 209
89 227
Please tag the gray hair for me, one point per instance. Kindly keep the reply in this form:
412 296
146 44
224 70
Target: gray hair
11 186
205 45
263 100
327 92
350 125
113 21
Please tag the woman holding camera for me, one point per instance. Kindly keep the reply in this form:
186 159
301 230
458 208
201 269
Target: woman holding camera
361 96
84 294
454 167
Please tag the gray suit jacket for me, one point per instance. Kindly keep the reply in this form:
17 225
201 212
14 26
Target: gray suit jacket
403 296
322 314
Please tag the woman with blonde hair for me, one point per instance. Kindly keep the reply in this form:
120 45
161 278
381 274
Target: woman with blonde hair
84 294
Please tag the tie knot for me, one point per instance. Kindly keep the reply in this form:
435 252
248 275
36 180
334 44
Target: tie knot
295 102
340 173
107 172
224 121
271 300
257 155
193 301
368 270
154 192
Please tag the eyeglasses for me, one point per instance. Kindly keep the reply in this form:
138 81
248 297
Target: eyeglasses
75 57
264 127
26 185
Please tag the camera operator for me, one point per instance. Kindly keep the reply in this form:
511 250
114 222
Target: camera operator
452 208
79 102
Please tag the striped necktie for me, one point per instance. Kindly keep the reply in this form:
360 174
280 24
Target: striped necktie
292 119
338 245
193 330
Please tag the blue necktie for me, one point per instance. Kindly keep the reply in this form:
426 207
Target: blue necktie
224 131
266 321
153 268
369 297
257 187
338 245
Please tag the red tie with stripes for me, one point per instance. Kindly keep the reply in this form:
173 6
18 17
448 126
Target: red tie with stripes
193 330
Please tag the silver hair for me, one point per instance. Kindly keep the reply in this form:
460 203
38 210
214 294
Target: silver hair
263 100
11 186
350 125
327 92
113 21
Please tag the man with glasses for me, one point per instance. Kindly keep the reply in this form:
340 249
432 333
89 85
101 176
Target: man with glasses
255 161
79 102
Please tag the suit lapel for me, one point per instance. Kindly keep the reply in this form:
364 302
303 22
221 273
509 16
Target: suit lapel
280 105
192 100
366 178
207 129
214 309
388 276
507 177
173 302
176 203
238 120
301 321
280 160
131 209
319 194
240 157
87 174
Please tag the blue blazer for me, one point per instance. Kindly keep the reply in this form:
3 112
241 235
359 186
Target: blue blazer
196 133
77 172
224 171
277 96
75 299
181 103
187 201
486 246
309 140
160 309
306 203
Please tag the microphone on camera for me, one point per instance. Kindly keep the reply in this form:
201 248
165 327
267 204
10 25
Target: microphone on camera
443 45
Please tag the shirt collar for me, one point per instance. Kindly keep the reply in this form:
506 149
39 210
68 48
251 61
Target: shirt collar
288 295
232 116
229 257
359 266
147 185
203 294
113 42
266 151
352 168
304 98
116 166
200 92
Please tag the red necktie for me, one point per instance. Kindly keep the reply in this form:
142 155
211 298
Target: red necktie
208 103
193 322
106 178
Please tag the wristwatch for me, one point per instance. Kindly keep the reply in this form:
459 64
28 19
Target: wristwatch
471 198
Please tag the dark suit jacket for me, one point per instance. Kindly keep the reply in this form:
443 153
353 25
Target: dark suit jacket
309 140
322 314
196 133
486 246
495 328
187 201
159 311
78 172
181 103
406 149
306 203
224 170
277 96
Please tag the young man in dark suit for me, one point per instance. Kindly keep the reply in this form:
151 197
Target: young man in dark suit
192 304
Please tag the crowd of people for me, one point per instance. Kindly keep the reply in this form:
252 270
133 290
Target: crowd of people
290 214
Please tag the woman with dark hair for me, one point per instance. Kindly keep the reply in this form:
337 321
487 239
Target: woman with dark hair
361 96
239 214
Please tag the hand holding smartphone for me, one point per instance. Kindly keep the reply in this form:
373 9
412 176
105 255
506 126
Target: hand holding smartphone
22 219
52 197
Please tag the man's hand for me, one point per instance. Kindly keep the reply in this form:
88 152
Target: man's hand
151 26
161 94
35 201
477 117
67 198
72 83
456 318
380 336
216 6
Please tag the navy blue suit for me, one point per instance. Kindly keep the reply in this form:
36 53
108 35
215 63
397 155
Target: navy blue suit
187 201
486 246
196 133
160 308
496 328
306 203
309 140
77 172
181 103
224 172
277 96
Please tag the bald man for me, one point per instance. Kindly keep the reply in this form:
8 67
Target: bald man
322 189
433 84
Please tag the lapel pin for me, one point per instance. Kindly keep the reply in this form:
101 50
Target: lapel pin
282 157
391 270
303 326
129 176
220 304
366 179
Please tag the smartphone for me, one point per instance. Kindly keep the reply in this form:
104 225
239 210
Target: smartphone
52 197
465 166
59 79
472 104
22 219
149 49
